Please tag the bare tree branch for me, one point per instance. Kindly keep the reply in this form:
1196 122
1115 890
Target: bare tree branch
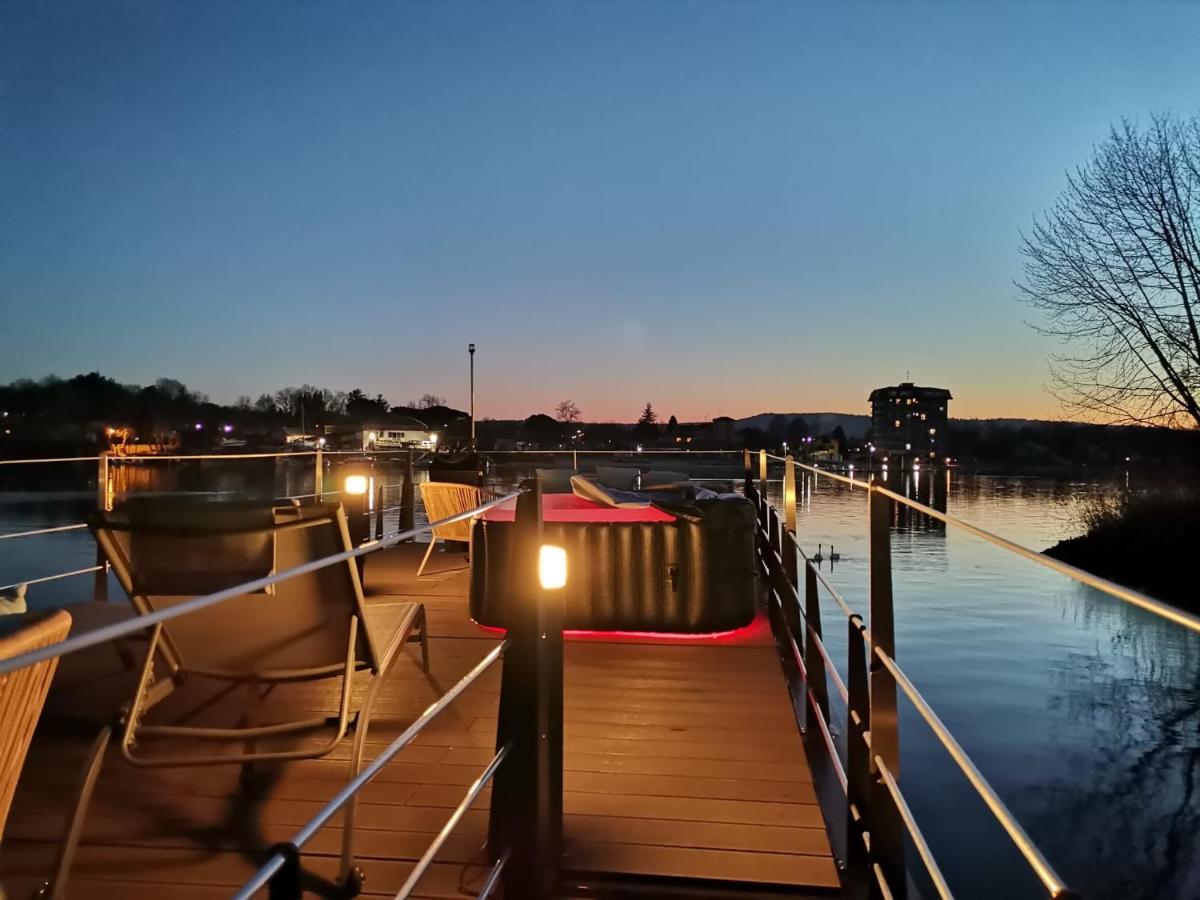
1115 268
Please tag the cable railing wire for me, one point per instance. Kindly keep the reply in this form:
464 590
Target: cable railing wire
263 876
1041 866
139 623
36 531
1111 588
1045 872
472 794
45 578
50 459
914 830
493 878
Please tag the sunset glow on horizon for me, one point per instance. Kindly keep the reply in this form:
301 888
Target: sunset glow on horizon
721 209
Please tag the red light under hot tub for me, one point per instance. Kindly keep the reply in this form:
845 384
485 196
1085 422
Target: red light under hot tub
569 508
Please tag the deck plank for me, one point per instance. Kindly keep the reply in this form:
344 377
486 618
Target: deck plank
681 760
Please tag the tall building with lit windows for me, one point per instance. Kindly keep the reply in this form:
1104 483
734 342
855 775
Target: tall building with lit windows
908 421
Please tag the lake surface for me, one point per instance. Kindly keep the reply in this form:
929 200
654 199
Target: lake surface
1081 711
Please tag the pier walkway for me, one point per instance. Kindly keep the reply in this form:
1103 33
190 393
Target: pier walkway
683 768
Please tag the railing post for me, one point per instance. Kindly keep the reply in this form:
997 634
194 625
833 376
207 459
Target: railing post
762 488
887 837
319 475
788 547
747 481
789 494
379 509
526 814
285 883
858 766
100 582
814 662
408 514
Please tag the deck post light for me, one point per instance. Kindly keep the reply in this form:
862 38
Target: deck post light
526 815
356 480
552 567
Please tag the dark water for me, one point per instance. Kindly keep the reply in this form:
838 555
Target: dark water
1080 710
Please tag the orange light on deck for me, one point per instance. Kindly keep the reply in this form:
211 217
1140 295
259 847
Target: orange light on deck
355 484
552 567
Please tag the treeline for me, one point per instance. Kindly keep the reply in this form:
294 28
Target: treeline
56 414
1049 446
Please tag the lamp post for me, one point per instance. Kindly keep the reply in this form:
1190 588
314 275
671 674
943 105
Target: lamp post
526 816
471 351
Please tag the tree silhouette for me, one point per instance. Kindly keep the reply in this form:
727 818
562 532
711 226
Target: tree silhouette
839 436
1115 266
361 406
428 400
797 431
647 425
567 412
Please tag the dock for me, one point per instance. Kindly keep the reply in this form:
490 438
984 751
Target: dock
684 772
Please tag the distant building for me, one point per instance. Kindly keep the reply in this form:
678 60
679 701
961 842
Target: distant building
910 421
395 432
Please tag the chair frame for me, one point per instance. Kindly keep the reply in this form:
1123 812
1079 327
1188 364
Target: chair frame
471 495
151 691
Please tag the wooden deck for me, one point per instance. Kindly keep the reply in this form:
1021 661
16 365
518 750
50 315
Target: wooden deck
682 762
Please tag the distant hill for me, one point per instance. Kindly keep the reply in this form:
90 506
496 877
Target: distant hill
854 426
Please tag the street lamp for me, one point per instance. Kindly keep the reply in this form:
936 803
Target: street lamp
471 351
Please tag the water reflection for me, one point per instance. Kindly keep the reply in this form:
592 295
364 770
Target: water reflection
1133 697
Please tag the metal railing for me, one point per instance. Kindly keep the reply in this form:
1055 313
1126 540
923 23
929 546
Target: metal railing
139 623
359 508
869 831
527 739
289 854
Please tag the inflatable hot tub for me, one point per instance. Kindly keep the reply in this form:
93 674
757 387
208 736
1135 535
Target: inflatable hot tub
631 569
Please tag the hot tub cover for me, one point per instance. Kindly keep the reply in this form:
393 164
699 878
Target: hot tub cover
689 569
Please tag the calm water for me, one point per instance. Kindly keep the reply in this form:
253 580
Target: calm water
1080 710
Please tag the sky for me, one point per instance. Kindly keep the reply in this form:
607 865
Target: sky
722 208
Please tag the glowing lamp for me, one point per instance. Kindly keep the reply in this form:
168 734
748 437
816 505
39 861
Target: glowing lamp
552 567
355 484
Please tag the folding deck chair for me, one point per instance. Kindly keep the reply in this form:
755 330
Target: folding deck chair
313 626
22 694
442 500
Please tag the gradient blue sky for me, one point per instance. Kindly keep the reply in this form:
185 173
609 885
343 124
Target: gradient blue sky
722 207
